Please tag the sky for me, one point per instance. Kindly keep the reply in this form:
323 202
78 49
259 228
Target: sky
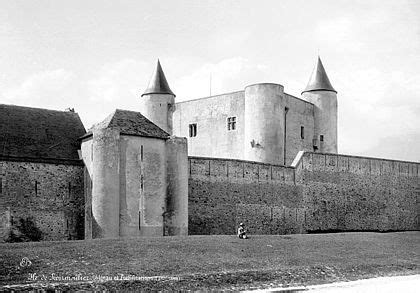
96 56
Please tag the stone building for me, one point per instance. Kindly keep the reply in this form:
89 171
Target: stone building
136 172
262 123
259 156
41 176
135 179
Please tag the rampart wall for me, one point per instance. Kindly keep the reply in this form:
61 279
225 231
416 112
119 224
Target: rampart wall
322 192
49 195
349 193
223 193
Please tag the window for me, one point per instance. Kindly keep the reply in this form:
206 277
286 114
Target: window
193 130
302 132
231 123
1 185
321 138
141 153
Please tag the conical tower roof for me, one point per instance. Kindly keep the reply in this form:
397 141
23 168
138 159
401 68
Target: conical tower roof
158 83
319 80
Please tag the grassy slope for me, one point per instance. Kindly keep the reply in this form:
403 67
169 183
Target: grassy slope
220 261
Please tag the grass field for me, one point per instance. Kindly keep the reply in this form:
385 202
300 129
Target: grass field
210 262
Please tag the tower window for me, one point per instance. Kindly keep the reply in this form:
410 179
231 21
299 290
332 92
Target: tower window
321 138
302 132
1 185
193 130
141 153
231 123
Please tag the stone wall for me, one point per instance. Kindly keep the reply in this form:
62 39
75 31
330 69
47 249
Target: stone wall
321 193
50 195
223 193
300 113
210 114
129 184
348 193
215 141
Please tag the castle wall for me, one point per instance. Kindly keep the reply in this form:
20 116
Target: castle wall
223 193
176 213
128 186
158 108
325 119
210 114
349 193
264 123
300 113
105 183
215 141
149 198
323 192
87 157
48 194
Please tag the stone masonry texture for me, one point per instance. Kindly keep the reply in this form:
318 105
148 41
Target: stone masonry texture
324 192
51 195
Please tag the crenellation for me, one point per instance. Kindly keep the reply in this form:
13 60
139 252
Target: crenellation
199 167
251 171
331 164
236 170
264 172
258 156
307 162
278 173
354 165
218 168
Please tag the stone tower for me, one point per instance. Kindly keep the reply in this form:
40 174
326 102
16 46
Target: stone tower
264 123
321 93
157 103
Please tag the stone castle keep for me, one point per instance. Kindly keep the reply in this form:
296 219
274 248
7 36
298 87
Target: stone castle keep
258 156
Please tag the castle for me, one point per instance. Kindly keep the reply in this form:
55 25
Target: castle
261 123
259 156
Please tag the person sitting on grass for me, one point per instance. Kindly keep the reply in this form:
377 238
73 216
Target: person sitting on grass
242 231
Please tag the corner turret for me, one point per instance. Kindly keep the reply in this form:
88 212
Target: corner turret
319 80
321 93
157 103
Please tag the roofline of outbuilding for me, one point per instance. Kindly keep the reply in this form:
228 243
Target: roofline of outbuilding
90 134
55 161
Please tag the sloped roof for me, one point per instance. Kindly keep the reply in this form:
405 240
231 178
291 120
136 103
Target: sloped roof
319 80
131 123
39 133
158 83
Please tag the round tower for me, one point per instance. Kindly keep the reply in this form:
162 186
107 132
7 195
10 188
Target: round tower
264 123
323 96
157 103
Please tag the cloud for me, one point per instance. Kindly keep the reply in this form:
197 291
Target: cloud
339 33
118 81
385 108
49 89
228 75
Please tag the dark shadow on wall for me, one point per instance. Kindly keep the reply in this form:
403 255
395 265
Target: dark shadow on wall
24 230
96 229
80 225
